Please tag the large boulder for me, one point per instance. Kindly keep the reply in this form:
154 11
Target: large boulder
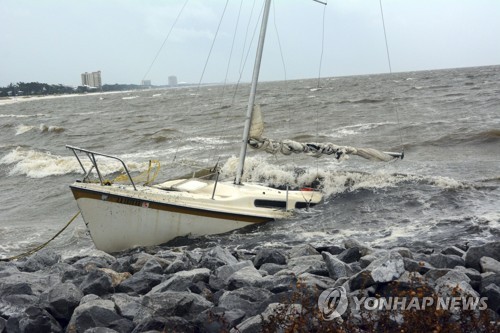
94 313
97 282
440 260
127 306
269 256
34 319
336 267
140 283
182 280
247 299
246 277
489 264
475 253
173 303
217 257
61 300
40 260
313 264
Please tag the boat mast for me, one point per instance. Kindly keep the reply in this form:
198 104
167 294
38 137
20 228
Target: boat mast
253 89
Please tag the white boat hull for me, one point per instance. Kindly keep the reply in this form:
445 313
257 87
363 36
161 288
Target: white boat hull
119 217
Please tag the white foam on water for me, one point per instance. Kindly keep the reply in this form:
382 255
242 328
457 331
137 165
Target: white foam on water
355 129
21 115
21 129
130 97
40 164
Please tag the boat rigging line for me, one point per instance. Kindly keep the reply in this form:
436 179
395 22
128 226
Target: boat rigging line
390 71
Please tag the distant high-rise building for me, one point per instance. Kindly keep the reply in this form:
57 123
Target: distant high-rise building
92 79
172 80
146 83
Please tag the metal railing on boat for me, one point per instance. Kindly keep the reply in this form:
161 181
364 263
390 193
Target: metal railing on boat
92 157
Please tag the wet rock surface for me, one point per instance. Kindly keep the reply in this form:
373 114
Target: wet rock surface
218 289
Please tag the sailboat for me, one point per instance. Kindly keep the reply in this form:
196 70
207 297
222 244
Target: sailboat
123 216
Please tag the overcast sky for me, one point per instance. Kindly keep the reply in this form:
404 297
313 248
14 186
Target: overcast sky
54 41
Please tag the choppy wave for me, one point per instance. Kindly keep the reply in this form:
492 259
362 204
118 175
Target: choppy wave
42 128
362 101
130 97
479 137
21 115
41 164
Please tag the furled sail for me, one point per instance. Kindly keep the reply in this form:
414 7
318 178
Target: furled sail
287 147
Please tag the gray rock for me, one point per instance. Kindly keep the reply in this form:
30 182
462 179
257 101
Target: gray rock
313 264
302 251
89 298
403 251
269 256
489 278
255 324
473 275
97 282
33 319
454 251
173 304
101 330
138 260
364 261
440 260
492 291
363 249
103 260
433 274
182 280
96 313
361 280
330 248
336 268
279 283
350 255
127 306
61 300
217 257
387 268
161 324
220 279
272 268
312 285
11 305
246 299
140 283
246 277
122 325
218 319
489 264
3 323
15 288
475 253
153 265
122 265
455 284
180 264
412 265
40 260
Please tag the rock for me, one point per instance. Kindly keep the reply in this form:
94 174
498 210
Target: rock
336 268
103 260
440 260
11 305
433 274
330 248
122 325
278 284
403 251
40 260
387 268
246 277
350 255
61 300
475 253
181 264
473 275
127 306
89 298
100 330
412 265
364 261
311 285
454 251
160 324
363 249
153 265
181 281
361 280
256 324
140 283
489 278
492 291
246 299
116 278
139 260
173 303
313 264
269 256
3 323
122 265
489 264
96 313
302 251
220 279
272 269
33 319
97 282
455 284
217 257
218 319
15 288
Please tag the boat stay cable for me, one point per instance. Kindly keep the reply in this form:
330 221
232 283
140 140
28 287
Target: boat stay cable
390 71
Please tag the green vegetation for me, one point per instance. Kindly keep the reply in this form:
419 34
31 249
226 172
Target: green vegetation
42 89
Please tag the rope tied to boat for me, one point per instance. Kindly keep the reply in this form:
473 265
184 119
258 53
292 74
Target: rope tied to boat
38 248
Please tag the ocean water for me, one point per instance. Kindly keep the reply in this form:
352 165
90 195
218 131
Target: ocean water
445 191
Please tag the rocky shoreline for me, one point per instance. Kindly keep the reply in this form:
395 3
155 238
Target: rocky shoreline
269 289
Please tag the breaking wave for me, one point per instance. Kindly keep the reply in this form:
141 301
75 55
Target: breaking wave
42 128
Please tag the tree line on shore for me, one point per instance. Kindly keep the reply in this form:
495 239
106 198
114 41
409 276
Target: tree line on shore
41 89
